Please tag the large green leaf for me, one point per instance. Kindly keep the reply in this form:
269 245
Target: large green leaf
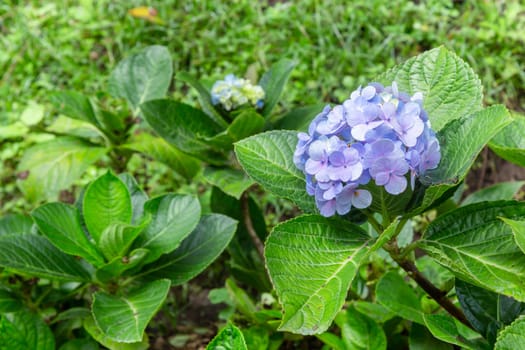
161 151
273 82
24 330
422 339
204 98
106 201
229 338
444 328
360 332
509 144
61 224
16 224
35 256
93 330
124 318
312 260
512 337
246 124
184 127
197 251
142 77
450 88
173 218
486 311
518 229
478 247
268 159
499 191
117 238
75 105
54 165
230 181
299 118
138 196
462 139
8 301
397 296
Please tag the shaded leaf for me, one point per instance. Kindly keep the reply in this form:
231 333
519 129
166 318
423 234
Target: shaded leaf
16 224
273 82
499 191
138 196
9 302
361 332
299 118
422 339
24 330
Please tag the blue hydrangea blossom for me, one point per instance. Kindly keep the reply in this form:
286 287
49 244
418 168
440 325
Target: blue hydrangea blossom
233 92
378 134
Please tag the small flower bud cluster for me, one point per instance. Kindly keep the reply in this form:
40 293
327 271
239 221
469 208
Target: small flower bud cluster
233 92
378 133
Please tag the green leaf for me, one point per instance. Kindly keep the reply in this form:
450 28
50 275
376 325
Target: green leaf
32 114
273 82
509 143
299 118
117 238
138 196
229 338
184 127
462 140
444 328
142 77
173 218
499 191
119 265
8 302
16 224
397 296
422 339
98 335
124 319
512 337
204 98
80 344
246 124
106 201
24 330
312 260
450 88
163 152
35 256
518 229
478 247
361 332
241 300
486 311
54 165
230 181
61 224
331 340
268 159
197 251
76 106
375 311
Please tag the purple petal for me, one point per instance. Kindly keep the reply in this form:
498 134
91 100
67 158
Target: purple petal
326 208
361 199
396 185
312 167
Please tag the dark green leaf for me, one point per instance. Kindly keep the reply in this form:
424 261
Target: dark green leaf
229 338
299 118
361 332
24 330
75 105
422 339
16 224
8 302
106 201
273 82
124 318
35 256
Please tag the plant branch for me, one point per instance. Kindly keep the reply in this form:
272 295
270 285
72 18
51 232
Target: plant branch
245 208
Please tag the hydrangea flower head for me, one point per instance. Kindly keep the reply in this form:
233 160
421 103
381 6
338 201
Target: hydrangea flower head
379 134
233 92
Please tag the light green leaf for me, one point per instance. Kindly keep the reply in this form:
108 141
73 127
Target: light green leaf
24 330
54 165
138 196
106 201
204 98
422 339
509 143
462 140
273 82
444 328
98 335
197 251
124 318
61 224
117 238
32 114
268 159
499 191
173 218
35 256
518 229
184 127
74 127
119 265
16 224
230 181
229 338
478 247
299 118
450 88
312 260
76 106
375 311
142 77
397 296
512 337
361 332
161 151
8 301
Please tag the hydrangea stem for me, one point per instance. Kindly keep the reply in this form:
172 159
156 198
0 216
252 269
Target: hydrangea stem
245 207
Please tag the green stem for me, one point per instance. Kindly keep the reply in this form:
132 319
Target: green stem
372 220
